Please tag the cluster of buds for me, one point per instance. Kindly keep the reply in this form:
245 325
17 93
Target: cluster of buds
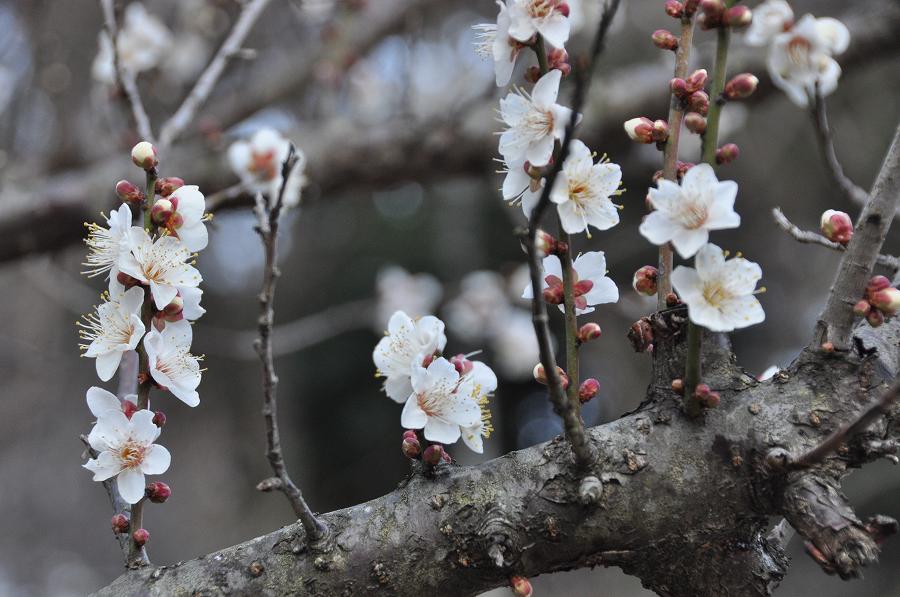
665 40
684 88
547 244
706 397
837 226
727 153
120 524
589 331
540 375
411 447
588 389
881 301
644 280
644 130
640 334
681 169
158 492
716 14
678 10
435 454
558 58
740 86
555 293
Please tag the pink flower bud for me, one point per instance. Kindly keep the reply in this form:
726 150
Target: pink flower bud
672 300
140 537
674 8
556 57
886 300
159 419
540 375
120 524
161 211
664 40
699 102
641 335
711 400
640 129
462 364
410 433
862 307
738 16
167 186
690 7
588 389
875 318
128 192
681 168
696 80
712 7
158 492
554 295
129 408
695 123
878 283
144 156
727 153
644 280
660 131
678 385
433 454
701 391
589 331
836 226
411 447
521 586
678 87
741 86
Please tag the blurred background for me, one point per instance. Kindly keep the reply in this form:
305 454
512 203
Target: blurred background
396 114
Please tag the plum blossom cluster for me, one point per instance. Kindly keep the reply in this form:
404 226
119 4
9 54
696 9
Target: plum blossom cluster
800 54
153 295
257 162
881 301
445 398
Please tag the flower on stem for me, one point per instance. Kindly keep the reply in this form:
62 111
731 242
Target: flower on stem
114 328
583 190
127 452
534 122
591 286
640 129
770 18
144 155
161 264
107 245
545 17
719 293
440 402
406 345
258 163
644 280
172 365
181 214
495 42
101 401
837 226
480 382
684 214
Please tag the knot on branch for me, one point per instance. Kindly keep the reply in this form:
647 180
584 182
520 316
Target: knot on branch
499 538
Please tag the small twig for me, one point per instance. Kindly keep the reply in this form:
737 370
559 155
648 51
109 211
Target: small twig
572 424
124 78
825 140
268 214
215 201
185 113
862 421
814 238
119 505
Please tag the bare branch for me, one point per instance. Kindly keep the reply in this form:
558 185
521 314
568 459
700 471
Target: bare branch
810 237
185 113
825 139
124 78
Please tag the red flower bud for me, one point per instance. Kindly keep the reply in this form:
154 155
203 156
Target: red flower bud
679 87
690 7
144 156
695 123
696 80
886 300
644 280
128 192
836 226
674 8
521 586
161 211
713 8
588 389
664 40
411 447
140 536
737 17
589 331
741 86
120 524
167 186
862 307
727 153
158 492
433 454
711 400
878 283
672 300
678 385
462 364
129 408
640 129
410 433
699 102
159 419
660 131
540 375
702 390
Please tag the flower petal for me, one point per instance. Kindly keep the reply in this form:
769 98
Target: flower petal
131 485
156 460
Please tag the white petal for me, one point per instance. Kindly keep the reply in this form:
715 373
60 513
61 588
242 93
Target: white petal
710 261
687 283
99 401
186 395
658 228
570 217
105 466
741 276
398 388
413 417
440 431
162 294
471 436
555 30
539 152
590 265
834 33
194 237
604 291
107 364
742 311
702 313
131 485
156 460
546 89
143 430
688 242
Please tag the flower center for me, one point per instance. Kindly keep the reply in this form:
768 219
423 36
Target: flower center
693 215
798 51
714 293
539 9
131 454
538 123
427 404
262 164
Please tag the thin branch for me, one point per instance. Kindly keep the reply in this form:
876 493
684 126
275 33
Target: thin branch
814 238
119 505
185 113
124 78
825 139
268 213
862 252
833 441
215 201
574 427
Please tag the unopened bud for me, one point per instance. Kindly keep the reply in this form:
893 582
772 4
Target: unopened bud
128 192
737 17
129 408
411 447
827 346
727 153
862 307
712 7
120 524
701 391
690 7
540 375
664 40
588 389
158 492
644 280
699 102
678 87
532 74
167 186
140 537
640 334
144 155
462 364
836 226
557 56
875 318
410 433
521 586
126 280
159 419
741 86
695 123
161 211
173 309
696 80
563 9
678 385
640 129
672 300
877 283
554 295
433 454
711 400
886 300
660 131
589 331
674 8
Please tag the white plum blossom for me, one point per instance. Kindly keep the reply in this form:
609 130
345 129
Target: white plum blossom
399 290
520 187
530 17
801 58
143 42
406 345
592 286
107 245
479 383
533 122
171 363
440 402
582 191
258 163
684 214
161 264
114 328
186 222
495 43
191 297
126 451
770 18
719 293
101 401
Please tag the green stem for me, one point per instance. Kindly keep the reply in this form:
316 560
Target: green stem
568 274
541 52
